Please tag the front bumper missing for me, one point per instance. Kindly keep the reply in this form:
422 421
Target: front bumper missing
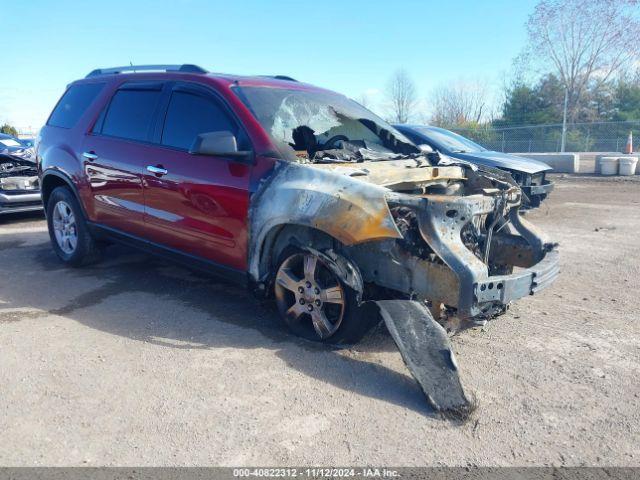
504 289
441 220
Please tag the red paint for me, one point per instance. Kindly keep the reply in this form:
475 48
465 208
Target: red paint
200 207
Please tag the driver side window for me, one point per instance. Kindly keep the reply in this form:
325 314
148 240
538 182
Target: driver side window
191 114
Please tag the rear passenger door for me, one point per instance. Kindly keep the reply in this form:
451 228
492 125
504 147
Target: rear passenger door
199 205
117 152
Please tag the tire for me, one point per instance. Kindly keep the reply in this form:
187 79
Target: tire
309 290
70 236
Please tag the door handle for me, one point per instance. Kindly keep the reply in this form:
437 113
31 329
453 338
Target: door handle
158 170
91 156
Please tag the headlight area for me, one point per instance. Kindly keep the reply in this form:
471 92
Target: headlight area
17 174
19 186
19 183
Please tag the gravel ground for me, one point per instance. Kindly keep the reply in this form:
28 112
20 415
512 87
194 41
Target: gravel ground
139 362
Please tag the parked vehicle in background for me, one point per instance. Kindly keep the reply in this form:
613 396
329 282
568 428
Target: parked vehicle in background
27 142
13 146
530 174
19 185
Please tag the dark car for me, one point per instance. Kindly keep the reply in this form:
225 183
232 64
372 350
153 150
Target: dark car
19 185
529 173
27 142
294 190
13 146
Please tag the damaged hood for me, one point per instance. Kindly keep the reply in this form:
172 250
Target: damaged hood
11 165
395 174
503 161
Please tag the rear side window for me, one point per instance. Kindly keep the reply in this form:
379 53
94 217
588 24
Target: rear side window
130 114
73 104
189 115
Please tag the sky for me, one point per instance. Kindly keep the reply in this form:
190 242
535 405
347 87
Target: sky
350 46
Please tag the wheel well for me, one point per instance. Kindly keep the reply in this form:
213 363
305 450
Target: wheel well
49 184
281 236
308 238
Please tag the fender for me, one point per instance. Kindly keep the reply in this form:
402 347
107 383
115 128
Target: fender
61 177
344 208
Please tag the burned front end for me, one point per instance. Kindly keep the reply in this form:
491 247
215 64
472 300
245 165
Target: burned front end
465 249
19 187
436 244
435 248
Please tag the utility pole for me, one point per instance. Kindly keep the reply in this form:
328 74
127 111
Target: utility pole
564 120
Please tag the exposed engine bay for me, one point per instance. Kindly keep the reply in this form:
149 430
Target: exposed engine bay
17 173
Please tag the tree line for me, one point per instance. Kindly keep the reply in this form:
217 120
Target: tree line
581 63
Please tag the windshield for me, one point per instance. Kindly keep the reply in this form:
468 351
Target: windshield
323 127
446 140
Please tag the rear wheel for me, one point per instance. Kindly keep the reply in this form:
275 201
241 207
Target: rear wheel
314 301
70 236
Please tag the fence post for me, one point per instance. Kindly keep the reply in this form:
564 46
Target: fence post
503 141
564 120
529 145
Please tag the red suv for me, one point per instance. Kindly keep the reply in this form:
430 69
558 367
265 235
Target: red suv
294 190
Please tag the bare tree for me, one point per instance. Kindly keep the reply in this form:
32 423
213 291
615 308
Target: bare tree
403 97
582 42
459 103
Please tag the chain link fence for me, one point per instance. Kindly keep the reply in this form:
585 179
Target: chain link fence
581 137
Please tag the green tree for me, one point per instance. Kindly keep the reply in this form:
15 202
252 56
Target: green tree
532 105
627 101
9 130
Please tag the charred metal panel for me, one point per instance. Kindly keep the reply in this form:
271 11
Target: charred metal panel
531 234
396 174
343 207
506 288
426 350
507 249
441 222
387 265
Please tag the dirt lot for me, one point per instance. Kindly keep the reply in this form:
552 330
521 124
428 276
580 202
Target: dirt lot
139 362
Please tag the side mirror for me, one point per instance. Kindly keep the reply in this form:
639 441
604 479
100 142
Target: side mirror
424 148
218 144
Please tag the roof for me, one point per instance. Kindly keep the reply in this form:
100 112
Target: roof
184 69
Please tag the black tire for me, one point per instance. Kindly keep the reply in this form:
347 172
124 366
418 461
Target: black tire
355 321
86 250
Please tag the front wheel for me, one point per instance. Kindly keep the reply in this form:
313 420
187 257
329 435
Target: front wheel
314 301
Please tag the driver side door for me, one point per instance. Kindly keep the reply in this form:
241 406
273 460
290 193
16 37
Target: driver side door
197 204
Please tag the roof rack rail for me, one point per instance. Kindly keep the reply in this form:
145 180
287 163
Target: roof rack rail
280 77
185 68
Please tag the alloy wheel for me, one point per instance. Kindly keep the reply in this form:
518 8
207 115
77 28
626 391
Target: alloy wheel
309 295
64 227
